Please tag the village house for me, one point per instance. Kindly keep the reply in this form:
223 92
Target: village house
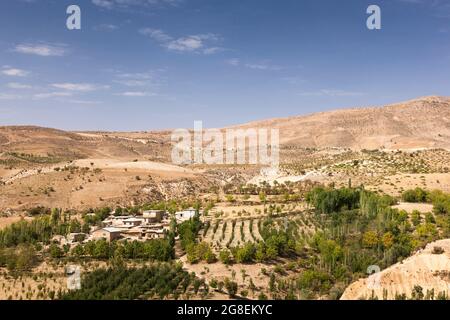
185 215
151 225
116 220
155 234
132 222
136 233
108 233
153 216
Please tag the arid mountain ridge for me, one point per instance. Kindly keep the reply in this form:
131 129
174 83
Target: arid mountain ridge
419 123
415 124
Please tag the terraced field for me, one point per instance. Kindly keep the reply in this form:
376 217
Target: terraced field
234 232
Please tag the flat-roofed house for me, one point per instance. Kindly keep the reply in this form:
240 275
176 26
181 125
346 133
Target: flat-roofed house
133 222
109 233
185 215
155 234
153 216
116 220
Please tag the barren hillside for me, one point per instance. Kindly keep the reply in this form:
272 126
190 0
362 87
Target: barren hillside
429 269
420 123
81 169
61 145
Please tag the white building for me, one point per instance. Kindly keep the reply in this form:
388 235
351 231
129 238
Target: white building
116 220
109 234
185 215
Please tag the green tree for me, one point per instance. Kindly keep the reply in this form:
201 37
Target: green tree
231 287
225 256
55 251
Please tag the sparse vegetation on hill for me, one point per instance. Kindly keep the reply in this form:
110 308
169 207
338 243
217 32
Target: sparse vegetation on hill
348 195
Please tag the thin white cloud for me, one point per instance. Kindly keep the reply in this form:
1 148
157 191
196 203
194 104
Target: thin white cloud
48 95
83 87
132 83
43 50
412 1
106 27
14 72
213 50
136 94
156 34
137 75
199 43
7 96
86 102
104 3
294 80
114 4
19 86
331 93
264 65
233 62
439 8
150 79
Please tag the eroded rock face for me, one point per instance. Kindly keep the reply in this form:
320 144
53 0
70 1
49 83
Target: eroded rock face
429 268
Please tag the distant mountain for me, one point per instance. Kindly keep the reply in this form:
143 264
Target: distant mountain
78 145
419 123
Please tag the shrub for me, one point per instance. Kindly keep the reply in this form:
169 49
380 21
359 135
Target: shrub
225 256
416 195
438 250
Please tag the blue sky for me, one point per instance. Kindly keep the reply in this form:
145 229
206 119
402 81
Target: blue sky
154 64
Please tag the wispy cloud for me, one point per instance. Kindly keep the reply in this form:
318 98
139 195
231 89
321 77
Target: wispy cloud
43 50
439 8
233 62
132 82
48 95
412 1
106 27
264 65
156 34
136 94
294 80
86 102
151 80
331 93
213 50
19 86
113 4
83 87
199 43
14 72
7 96
137 75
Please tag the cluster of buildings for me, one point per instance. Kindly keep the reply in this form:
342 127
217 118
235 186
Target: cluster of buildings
153 224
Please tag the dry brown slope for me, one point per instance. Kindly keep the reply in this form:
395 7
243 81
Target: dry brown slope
40 141
426 269
419 123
